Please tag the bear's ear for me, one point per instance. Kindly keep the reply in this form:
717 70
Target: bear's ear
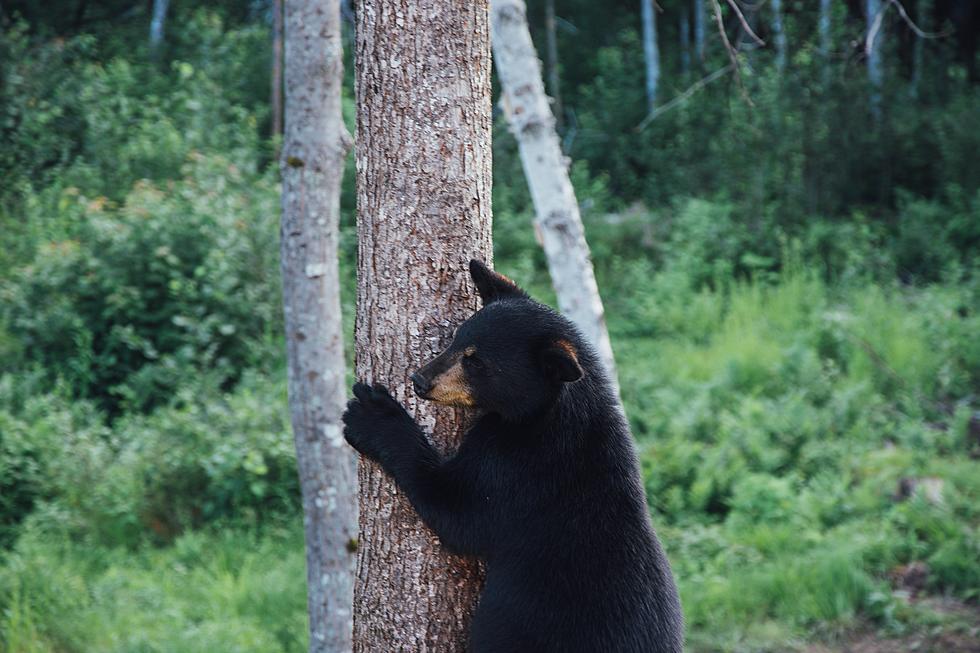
560 361
492 286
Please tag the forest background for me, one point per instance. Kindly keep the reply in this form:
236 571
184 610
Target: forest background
787 257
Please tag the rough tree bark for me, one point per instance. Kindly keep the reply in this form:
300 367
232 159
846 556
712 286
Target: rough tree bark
423 193
651 51
312 163
157 22
558 222
275 98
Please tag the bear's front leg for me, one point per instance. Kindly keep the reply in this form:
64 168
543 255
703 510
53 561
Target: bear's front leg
381 429
440 491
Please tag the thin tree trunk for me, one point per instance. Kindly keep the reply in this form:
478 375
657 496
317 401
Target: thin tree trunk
651 51
923 16
157 22
276 95
684 30
699 18
554 79
875 26
824 28
779 34
558 223
315 146
423 194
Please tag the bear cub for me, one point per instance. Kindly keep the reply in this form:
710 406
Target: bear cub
545 486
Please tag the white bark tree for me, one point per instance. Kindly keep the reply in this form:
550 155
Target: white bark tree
558 223
779 34
423 194
874 17
157 22
312 163
824 26
651 51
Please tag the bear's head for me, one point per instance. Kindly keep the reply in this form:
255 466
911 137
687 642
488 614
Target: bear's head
512 357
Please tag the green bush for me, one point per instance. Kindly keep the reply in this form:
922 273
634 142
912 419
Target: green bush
176 282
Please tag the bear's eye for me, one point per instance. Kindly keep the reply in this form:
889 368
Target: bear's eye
470 360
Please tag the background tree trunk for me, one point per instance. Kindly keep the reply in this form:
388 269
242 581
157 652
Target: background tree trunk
554 76
684 33
276 94
558 223
699 18
315 146
651 51
157 22
876 31
779 34
423 194
824 28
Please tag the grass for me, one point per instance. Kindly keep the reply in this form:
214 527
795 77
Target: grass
774 420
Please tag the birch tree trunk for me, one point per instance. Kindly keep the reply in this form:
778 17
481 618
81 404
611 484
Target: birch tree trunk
275 98
423 193
558 223
157 22
651 51
824 28
874 19
315 146
779 34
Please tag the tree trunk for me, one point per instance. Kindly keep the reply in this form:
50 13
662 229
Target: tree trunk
684 31
157 21
699 18
423 194
923 16
276 95
651 51
779 34
876 34
554 79
824 28
558 223
315 146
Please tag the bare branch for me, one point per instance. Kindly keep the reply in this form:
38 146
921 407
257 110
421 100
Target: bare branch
683 97
922 34
745 23
732 52
869 41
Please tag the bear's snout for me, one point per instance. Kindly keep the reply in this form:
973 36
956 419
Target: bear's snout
421 384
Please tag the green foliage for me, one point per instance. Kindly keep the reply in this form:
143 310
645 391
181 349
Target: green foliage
232 591
790 284
173 283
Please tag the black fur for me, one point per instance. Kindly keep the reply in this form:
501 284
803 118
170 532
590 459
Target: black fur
545 486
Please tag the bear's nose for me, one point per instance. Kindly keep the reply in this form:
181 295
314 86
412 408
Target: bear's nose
422 385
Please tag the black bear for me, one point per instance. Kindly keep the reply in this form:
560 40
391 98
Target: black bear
545 485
